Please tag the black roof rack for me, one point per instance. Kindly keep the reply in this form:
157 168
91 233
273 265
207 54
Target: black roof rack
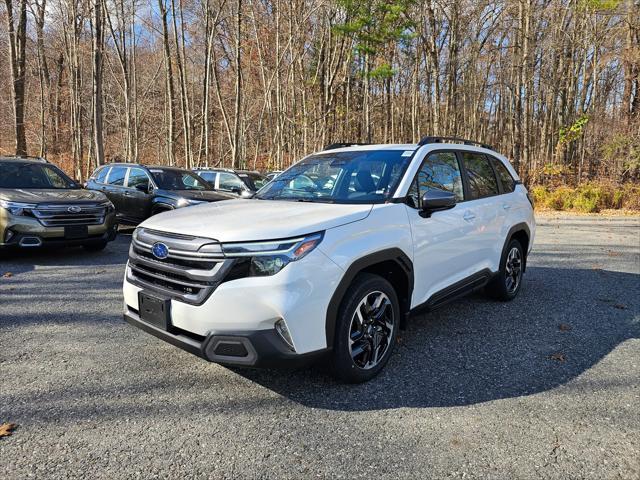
333 146
426 140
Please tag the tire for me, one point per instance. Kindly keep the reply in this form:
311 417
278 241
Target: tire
507 283
95 247
375 337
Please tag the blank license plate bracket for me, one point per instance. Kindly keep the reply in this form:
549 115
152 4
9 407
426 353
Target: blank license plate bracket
154 310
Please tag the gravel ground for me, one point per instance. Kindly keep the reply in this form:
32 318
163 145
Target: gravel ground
546 386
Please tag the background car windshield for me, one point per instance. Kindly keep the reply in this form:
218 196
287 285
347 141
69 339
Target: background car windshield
346 177
178 180
33 176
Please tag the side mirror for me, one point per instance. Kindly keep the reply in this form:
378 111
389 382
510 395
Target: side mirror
142 188
435 200
236 190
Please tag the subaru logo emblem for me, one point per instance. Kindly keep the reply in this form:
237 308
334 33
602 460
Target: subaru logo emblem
160 250
74 209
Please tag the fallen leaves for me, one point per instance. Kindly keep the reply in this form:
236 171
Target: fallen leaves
7 275
563 327
620 306
558 357
6 429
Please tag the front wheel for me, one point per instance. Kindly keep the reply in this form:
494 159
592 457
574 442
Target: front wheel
366 329
506 284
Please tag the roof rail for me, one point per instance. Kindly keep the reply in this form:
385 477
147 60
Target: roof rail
333 146
426 140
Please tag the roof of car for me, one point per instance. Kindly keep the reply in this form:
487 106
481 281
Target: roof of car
22 159
224 169
126 164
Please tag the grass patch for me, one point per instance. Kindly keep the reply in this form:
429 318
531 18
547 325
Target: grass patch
588 198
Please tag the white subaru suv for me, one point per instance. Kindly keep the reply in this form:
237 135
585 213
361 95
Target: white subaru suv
331 257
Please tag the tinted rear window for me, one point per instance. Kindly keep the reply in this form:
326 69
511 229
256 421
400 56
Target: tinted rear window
482 181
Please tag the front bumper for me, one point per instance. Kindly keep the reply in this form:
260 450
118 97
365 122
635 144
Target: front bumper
299 295
13 229
255 349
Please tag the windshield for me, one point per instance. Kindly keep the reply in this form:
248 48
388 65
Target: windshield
368 176
170 179
33 176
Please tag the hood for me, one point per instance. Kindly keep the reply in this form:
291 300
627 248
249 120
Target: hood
203 195
50 195
249 220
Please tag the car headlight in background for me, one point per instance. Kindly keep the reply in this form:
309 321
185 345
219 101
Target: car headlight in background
109 206
17 208
259 259
185 202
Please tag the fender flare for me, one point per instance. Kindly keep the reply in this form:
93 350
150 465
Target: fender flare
518 227
391 254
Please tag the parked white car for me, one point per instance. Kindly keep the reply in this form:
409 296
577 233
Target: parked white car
332 269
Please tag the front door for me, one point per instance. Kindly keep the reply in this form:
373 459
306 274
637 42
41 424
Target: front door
444 250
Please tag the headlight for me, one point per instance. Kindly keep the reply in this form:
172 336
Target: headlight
185 202
17 208
109 206
258 259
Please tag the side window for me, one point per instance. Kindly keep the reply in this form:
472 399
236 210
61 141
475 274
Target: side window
441 171
208 176
507 181
116 176
229 181
482 180
101 174
138 176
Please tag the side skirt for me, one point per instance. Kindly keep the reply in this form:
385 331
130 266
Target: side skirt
457 290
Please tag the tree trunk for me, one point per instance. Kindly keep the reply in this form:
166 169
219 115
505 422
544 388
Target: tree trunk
17 58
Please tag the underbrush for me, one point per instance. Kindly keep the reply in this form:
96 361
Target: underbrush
588 198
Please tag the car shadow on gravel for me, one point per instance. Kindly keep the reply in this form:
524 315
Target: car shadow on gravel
25 260
478 350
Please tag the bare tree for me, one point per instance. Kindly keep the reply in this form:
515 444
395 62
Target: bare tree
17 27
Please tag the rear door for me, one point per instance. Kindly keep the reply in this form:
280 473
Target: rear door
115 189
485 210
137 204
444 251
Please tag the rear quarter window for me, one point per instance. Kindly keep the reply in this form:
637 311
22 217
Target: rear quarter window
506 180
101 174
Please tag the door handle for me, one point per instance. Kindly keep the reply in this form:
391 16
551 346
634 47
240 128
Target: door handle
506 206
127 194
469 216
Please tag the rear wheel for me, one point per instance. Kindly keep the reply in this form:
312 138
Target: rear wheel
366 329
506 284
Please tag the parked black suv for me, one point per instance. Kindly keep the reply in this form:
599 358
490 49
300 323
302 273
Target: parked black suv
241 183
139 191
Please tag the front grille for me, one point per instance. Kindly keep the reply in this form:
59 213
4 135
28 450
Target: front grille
186 274
66 215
